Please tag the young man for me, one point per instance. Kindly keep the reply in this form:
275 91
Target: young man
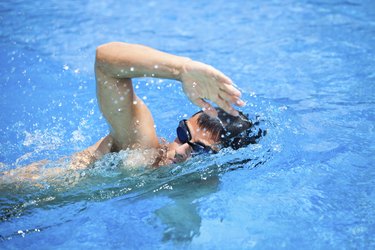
131 123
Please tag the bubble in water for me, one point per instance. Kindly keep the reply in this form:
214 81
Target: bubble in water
156 66
135 102
77 136
144 97
122 98
119 109
132 69
65 67
21 233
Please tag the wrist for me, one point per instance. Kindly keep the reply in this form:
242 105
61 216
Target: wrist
182 68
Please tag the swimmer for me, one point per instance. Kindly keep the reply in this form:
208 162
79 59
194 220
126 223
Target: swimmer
131 123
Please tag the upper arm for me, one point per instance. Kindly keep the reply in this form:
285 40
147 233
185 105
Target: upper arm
130 120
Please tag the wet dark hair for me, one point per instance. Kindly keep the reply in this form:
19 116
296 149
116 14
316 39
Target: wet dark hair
230 131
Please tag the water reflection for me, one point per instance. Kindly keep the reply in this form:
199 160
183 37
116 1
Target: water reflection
181 217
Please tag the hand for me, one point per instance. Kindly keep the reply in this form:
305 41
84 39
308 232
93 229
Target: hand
201 81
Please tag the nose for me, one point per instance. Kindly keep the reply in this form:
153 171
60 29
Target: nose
182 152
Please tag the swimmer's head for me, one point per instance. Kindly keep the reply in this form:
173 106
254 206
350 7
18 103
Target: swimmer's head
202 133
227 130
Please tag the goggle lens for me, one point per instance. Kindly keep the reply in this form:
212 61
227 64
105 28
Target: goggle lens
184 136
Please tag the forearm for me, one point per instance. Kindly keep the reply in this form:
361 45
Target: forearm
122 60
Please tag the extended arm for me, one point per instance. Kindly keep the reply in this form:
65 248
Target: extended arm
200 81
130 120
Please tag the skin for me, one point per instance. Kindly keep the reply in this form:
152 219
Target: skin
130 121
180 152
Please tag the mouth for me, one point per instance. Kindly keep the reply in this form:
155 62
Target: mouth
171 160
178 159
174 160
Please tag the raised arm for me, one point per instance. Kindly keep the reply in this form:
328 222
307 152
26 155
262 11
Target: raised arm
200 81
122 60
130 120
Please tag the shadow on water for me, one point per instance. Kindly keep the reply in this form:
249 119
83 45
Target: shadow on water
181 217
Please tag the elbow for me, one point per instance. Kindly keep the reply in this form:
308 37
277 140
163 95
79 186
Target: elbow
98 56
102 53
108 53
108 49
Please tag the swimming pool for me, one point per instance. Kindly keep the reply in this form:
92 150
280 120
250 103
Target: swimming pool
305 67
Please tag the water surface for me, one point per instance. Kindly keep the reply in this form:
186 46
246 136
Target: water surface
306 67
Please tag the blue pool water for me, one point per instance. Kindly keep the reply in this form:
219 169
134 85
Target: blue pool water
305 67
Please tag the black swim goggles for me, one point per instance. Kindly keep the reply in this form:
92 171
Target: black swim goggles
184 136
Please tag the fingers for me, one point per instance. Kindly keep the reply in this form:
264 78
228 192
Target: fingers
213 85
206 107
226 106
231 99
230 89
220 77
225 96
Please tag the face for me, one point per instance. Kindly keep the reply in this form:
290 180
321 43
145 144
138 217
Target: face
200 140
